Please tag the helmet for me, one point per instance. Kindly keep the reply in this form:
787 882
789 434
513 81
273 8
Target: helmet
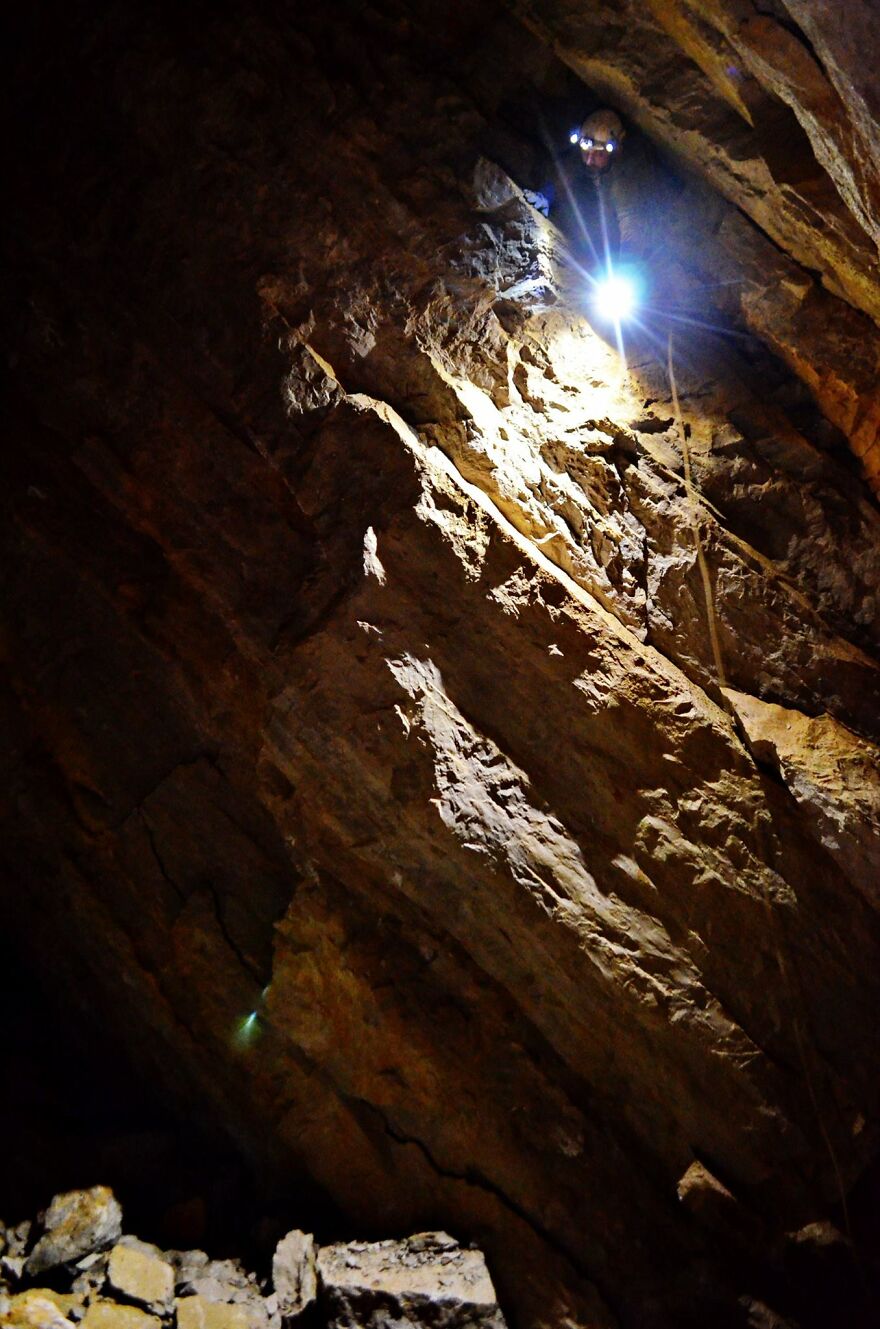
601 130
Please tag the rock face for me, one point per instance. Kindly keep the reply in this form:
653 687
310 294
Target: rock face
771 104
831 773
441 749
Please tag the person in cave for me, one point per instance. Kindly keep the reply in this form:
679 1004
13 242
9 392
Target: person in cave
600 144
609 196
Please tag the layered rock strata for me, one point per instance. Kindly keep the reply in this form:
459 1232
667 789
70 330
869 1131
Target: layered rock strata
771 105
369 761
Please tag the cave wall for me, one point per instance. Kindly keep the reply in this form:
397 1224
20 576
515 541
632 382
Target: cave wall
772 104
368 764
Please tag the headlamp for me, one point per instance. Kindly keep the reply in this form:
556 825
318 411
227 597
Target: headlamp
616 296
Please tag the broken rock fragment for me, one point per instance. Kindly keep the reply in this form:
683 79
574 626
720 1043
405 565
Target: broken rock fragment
13 1245
294 1274
218 1294
197 1312
110 1315
38 1308
91 1275
139 1272
76 1223
426 1279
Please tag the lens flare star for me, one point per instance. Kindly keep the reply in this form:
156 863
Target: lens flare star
615 297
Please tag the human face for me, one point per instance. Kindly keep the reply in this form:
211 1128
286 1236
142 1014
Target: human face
597 154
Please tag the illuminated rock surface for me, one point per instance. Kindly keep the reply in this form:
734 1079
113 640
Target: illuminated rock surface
141 1274
76 1223
369 771
293 1273
425 1279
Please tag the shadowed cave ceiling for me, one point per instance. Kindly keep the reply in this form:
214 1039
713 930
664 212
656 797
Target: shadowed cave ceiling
368 769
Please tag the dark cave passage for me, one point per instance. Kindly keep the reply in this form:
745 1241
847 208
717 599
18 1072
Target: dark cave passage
76 1112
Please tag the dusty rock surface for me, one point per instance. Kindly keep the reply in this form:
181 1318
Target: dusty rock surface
831 773
294 1274
76 1223
141 1274
425 1279
369 765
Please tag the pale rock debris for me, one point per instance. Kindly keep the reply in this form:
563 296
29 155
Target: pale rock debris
139 1272
294 1273
110 1315
37 1308
76 1223
426 1279
197 1312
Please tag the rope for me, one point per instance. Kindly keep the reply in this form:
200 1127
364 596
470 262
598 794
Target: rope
698 543
761 842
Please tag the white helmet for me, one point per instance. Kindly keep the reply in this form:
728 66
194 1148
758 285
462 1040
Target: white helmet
601 130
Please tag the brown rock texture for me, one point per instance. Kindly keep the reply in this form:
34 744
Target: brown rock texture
774 104
367 761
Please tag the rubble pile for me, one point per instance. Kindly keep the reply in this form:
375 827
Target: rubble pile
76 1266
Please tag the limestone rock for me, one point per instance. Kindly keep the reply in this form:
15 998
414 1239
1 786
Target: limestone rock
466 822
40 1308
831 773
91 1274
187 1265
218 1280
107 1314
424 1280
139 1272
14 1242
197 1312
219 1283
294 1274
808 176
13 1250
713 1205
75 1224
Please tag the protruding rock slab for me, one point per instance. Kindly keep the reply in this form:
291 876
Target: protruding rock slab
426 1279
831 773
294 1275
76 1223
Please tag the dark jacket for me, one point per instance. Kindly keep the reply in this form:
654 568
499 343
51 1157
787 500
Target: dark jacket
619 215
